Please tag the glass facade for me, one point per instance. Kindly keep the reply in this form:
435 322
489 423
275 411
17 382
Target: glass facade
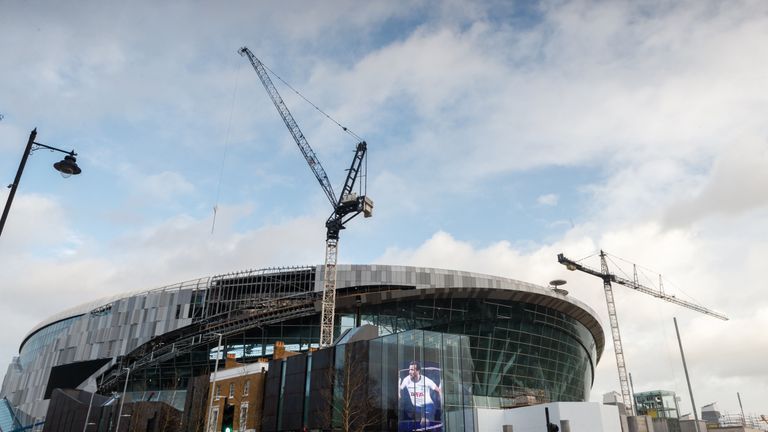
525 345
522 353
431 374
438 358
421 380
411 381
657 404
42 339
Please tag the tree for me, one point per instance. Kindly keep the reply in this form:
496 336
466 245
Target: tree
354 401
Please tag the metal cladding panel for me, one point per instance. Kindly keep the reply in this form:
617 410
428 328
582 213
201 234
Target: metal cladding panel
112 329
104 326
293 395
321 386
271 396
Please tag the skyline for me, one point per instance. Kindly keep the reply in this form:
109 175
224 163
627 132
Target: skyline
499 134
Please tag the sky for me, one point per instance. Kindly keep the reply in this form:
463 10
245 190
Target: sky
500 133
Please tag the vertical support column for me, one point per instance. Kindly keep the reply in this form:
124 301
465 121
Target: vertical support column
617 347
212 387
743 419
685 367
17 179
634 400
329 293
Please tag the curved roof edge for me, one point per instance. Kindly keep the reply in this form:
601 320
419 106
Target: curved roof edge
87 307
349 275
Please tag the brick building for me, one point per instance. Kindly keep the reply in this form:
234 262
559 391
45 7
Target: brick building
240 386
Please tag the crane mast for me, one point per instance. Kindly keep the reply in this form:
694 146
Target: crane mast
607 278
617 346
345 207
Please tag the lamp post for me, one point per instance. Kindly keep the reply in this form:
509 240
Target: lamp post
213 385
88 414
687 379
122 399
67 167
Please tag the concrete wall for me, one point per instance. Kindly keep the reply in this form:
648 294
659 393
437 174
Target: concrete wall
690 426
729 429
640 423
582 416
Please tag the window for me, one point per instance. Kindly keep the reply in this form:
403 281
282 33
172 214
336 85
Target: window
246 387
218 391
231 390
214 420
243 416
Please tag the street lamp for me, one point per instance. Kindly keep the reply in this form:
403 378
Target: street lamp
213 385
67 167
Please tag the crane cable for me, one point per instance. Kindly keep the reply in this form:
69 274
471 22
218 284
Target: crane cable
677 289
595 253
344 128
226 148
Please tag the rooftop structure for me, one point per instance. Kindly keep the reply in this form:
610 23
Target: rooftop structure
528 344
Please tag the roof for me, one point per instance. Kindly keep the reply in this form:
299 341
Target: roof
427 281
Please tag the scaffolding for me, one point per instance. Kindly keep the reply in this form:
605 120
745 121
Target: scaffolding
227 304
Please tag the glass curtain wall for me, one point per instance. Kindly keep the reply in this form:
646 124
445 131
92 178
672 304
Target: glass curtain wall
522 353
415 380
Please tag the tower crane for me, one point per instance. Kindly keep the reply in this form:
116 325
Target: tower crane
609 277
346 206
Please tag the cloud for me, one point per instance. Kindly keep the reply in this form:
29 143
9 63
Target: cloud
173 250
737 183
547 199
653 93
660 103
35 223
442 250
644 321
164 185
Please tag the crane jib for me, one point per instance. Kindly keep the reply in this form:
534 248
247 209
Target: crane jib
610 277
345 207
293 127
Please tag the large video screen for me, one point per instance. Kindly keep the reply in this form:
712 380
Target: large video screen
420 397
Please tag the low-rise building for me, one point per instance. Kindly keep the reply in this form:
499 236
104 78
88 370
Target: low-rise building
657 404
237 391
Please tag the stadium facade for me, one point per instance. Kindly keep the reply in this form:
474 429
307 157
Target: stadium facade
519 343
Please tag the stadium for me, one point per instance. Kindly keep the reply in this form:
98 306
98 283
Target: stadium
523 344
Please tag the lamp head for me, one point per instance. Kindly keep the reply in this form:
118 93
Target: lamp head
67 166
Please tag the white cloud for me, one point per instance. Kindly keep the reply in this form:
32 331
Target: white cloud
661 102
172 251
548 199
645 322
588 83
34 222
164 185
738 183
